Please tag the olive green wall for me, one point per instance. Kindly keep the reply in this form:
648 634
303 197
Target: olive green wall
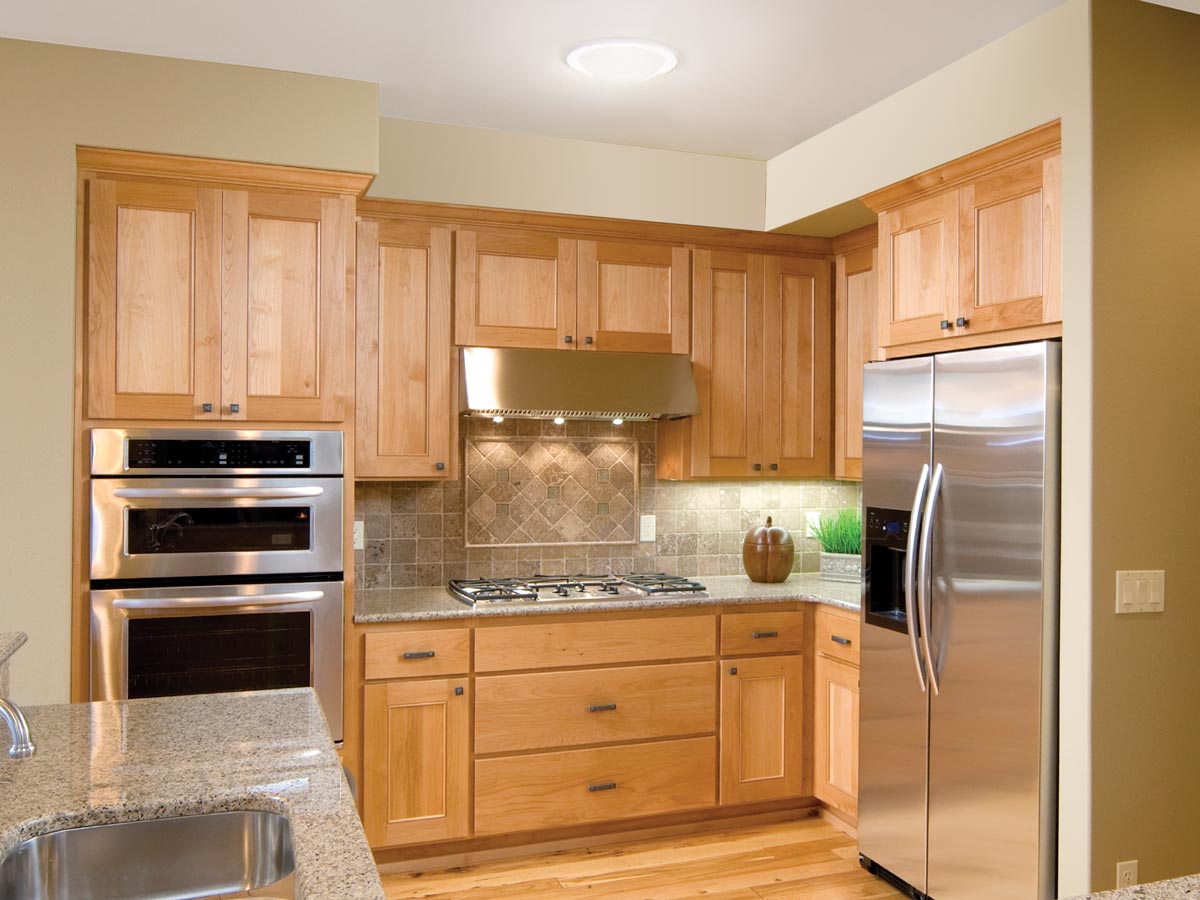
52 98
1145 701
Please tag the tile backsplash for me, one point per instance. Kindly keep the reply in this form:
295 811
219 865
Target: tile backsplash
416 532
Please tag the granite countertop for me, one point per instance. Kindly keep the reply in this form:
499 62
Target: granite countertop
1185 888
423 604
98 763
10 643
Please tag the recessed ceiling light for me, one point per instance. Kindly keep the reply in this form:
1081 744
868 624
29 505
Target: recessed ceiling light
622 60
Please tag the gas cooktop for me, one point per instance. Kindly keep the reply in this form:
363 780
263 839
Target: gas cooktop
571 588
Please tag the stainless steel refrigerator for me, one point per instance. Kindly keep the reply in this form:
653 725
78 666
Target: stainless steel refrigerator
958 692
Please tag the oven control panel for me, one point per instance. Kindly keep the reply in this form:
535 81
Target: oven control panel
163 453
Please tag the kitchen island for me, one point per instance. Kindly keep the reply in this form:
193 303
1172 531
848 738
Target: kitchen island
122 761
1185 888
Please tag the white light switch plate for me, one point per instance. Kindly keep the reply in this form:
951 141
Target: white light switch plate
360 534
1141 591
649 528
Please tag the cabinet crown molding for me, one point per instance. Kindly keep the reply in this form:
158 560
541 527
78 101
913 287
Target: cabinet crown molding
1041 141
98 161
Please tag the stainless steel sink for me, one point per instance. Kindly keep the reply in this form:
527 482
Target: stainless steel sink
184 858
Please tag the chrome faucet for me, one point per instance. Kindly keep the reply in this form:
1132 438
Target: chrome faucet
18 727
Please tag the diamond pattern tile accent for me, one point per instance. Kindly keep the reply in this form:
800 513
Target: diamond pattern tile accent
547 491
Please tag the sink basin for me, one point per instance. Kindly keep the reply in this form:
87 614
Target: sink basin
185 858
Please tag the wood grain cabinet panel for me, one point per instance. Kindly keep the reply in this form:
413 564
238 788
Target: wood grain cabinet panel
918 270
762 632
633 297
762 729
416 756
515 289
544 710
406 415
837 633
835 738
855 327
575 787
153 301
417 653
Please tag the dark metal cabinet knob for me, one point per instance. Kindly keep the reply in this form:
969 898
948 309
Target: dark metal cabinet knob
838 639
205 407
235 407
419 654
607 786
774 467
602 707
440 466
961 322
764 634
567 339
733 670
458 692
945 324
588 339
758 467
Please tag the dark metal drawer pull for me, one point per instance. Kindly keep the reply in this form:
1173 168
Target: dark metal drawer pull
607 707
422 654
838 639
607 786
764 634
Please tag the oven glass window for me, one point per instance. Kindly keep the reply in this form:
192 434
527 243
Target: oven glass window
214 654
209 529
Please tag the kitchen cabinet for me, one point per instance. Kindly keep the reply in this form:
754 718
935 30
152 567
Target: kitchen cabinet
761 344
416 761
836 709
762 729
209 304
854 329
538 290
970 253
406 415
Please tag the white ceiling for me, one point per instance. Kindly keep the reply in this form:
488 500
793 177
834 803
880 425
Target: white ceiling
755 76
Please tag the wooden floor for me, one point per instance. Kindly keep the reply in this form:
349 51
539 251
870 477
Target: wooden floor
806 859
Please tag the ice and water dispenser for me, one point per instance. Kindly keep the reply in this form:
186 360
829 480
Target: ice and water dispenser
885 545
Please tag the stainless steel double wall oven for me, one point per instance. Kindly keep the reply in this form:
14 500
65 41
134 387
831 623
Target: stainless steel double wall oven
216 563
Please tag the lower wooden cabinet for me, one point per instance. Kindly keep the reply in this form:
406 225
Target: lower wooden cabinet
835 735
762 729
416 761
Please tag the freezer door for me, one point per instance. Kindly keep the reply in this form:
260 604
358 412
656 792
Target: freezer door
893 709
993 567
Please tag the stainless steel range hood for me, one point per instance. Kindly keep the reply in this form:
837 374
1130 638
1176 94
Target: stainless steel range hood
577 384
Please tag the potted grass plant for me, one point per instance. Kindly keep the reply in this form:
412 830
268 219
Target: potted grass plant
840 537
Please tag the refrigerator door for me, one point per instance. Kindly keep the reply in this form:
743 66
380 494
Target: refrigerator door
992 614
893 708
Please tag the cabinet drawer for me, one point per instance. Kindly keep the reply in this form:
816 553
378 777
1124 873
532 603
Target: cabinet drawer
767 632
550 645
837 635
561 709
409 654
575 787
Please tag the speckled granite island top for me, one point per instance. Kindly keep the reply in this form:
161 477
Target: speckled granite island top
1186 888
98 763
422 604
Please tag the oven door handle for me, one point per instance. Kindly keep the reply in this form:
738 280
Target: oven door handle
291 597
242 493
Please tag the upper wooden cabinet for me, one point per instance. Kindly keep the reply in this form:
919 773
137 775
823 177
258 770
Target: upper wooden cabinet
406 416
855 321
761 354
205 303
530 289
971 252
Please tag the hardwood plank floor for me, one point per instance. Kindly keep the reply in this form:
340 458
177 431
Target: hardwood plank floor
804 859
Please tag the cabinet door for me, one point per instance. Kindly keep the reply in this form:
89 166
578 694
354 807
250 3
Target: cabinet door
918 270
416 756
153 301
405 416
285 323
762 729
797 342
514 289
1010 247
727 356
836 735
633 297
854 344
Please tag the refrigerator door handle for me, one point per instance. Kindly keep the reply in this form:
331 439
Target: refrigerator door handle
923 599
910 564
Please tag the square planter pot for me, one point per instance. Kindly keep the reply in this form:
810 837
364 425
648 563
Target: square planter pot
841 567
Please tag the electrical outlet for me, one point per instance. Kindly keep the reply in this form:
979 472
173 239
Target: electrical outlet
648 526
1141 591
811 521
1127 873
360 534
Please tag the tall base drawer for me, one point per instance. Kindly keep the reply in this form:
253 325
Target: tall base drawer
575 787
547 710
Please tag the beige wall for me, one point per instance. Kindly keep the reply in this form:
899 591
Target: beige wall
478 167
52 98
1146 682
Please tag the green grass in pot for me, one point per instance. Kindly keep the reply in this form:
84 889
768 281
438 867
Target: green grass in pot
840 532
